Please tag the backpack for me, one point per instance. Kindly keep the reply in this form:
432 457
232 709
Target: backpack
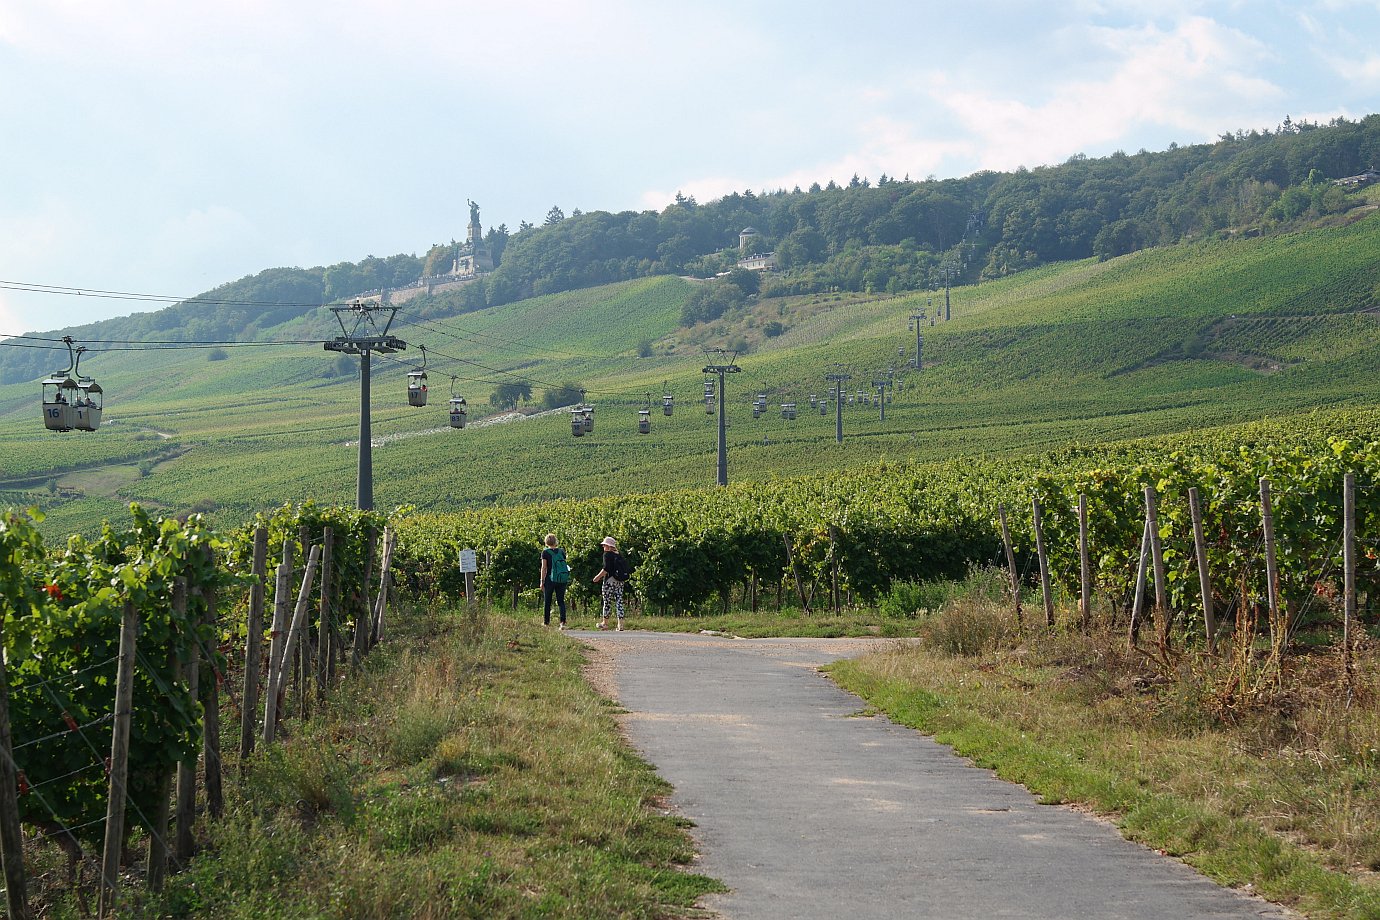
560 570
621 569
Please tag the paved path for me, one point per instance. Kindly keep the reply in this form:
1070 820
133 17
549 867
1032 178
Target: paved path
806 809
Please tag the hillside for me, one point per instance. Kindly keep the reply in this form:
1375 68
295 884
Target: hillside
893 236
1158 341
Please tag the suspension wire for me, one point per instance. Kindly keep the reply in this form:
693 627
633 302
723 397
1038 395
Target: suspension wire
103 294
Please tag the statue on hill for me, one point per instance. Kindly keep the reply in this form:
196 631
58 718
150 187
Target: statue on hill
474 211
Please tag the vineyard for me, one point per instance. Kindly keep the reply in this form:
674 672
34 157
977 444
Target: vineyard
200 599
1165 340
101 704
862 531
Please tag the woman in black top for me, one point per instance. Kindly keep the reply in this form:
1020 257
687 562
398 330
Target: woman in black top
613 586
549 587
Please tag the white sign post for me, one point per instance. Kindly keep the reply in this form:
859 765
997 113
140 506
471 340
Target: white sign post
469 564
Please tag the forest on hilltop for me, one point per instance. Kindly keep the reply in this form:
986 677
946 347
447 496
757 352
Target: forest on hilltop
890 235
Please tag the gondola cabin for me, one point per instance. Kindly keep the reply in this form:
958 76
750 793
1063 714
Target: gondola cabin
644 421
90 402
814 401
577 423
823 407
416 388
756 411
459 412
587 418
788 411
668 403
60 394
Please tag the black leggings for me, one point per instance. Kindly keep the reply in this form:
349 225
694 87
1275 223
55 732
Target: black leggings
557 588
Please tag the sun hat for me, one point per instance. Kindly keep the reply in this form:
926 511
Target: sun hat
610 542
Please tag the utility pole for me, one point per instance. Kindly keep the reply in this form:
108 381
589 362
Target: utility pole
881 383
362 338
917 322
722 367
948 271
838 378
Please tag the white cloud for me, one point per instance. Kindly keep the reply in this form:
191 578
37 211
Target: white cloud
1189 79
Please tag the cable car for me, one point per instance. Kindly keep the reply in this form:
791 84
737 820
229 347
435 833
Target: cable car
814 401
587 418
416 383
823 407
788 411
69 399
667 404
644 421
709 397
458 412
756 411
90 399
577 423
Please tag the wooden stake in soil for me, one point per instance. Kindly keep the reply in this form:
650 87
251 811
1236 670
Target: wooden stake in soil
253 646
834 567
1011 563
158 834
364 616
1045 591
324 652
390 539
278 636
1278 630
186 774
1084 566
119 764
1157 558
1195 510
11 832
210 741
278 679
795 574
1348 571
1138 606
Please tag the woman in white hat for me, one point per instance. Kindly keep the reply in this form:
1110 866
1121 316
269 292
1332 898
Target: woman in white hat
614 573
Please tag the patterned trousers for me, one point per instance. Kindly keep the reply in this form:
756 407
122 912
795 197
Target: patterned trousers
613 596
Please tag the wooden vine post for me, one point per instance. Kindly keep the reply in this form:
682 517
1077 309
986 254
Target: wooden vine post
834 568
324 651
184 843
1045 591
1278 630
795 574
210 740
275 650
1348 572
119 764
281 670
364 615
1157 560
1138 605
158 834
1084 566
11 832
1195 510
390 539
302 667
1011 563
253 646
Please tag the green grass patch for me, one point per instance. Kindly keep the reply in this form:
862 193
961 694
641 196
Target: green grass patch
468 772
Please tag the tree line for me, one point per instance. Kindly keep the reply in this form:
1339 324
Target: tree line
890 235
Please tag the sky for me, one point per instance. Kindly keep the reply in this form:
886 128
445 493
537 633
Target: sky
165 147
